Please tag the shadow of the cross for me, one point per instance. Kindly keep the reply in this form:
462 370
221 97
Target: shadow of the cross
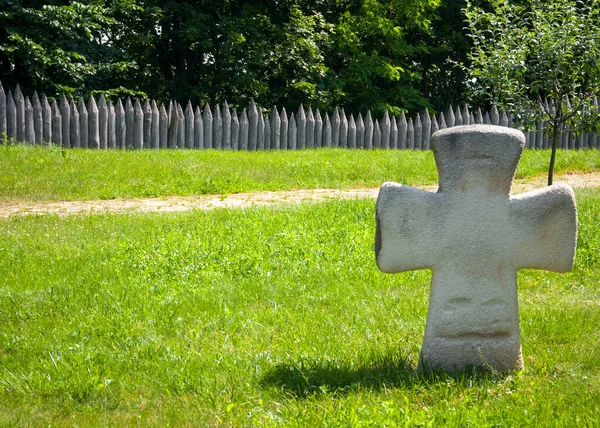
304 378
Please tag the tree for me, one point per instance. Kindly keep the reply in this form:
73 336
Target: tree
526 54
57 48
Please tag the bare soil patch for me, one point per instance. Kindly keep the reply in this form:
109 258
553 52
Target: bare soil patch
244 200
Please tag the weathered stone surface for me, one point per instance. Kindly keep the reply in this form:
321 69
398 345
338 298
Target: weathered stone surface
474 236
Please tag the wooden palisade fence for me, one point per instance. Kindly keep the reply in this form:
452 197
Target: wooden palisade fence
143 125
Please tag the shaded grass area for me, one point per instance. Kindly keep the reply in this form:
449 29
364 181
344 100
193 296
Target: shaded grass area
46 174
266 317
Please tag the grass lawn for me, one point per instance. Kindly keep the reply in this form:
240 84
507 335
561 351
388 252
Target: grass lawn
271 316
48 174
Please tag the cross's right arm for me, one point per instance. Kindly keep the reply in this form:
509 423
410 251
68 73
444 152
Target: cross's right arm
407 221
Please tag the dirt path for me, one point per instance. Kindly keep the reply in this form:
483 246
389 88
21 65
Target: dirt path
243 200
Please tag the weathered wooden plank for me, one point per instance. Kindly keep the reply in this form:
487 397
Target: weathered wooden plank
235 130
310 129
450 118
155 130
147 132
284 129
427 130
130 124
65 113
38 119
418 125
226 117
112 126
189 126
394 134
402 132
83 123
173 122
494 115
292 133
121 125
360 132
376 134
207 119
410 134
327 132
29 132
138 126
275 129
163 127
335 128
217 129
244 127
503 119
3 112
56 124
267 122
252 126
442 121
199 129
435 127
47 120
93 124
478 117
466 115
386 128
351 132
369 131
318 129
301 128
343 129
20 107
260 137
11 117
181 132
102 123
487 119
458 119
74 126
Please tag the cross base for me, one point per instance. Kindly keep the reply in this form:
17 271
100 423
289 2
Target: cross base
453 355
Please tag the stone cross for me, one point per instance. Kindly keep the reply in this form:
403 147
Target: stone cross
474 237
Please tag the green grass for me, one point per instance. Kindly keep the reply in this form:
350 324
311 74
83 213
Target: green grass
46 174
266 317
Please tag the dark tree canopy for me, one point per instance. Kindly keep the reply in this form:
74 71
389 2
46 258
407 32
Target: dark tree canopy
358 54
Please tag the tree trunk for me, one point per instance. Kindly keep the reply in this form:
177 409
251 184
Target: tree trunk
555 128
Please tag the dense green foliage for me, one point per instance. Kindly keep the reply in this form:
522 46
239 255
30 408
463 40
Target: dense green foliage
371 54
539 61
266 317
50 174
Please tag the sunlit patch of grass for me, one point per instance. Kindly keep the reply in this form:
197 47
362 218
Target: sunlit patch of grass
266 316
45 174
